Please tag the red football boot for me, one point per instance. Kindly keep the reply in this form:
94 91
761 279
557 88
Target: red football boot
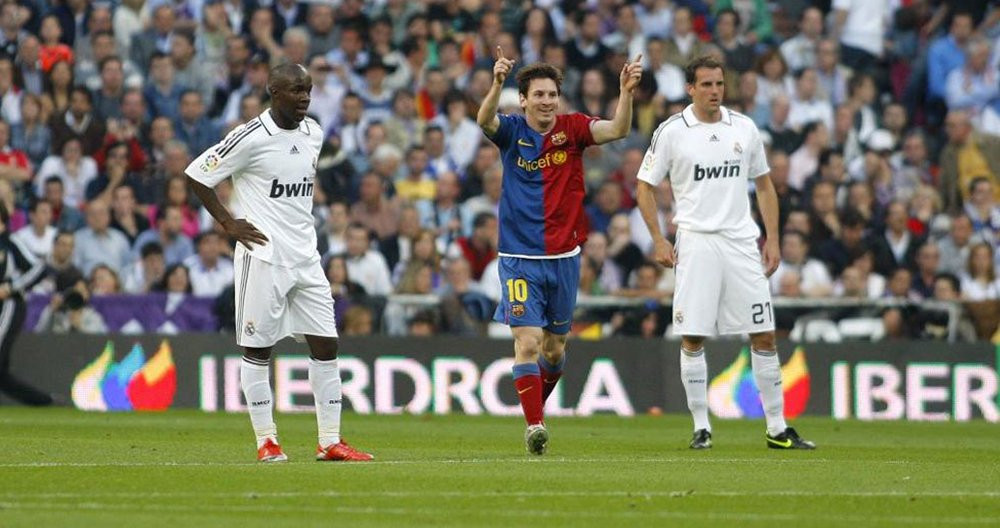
341 452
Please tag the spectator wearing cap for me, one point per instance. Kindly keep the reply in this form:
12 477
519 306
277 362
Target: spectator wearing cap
800 51
968 155
805 160
874 168
975 84
376 98
158 38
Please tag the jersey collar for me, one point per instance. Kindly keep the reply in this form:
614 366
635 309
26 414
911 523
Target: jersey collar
272 128
691 121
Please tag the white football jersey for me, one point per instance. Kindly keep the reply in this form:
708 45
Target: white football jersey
273 172
709 165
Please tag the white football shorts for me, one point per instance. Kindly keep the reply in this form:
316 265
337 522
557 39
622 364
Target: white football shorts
274 302
721 287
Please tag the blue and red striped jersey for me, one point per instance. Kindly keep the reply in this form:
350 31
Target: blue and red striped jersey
541 204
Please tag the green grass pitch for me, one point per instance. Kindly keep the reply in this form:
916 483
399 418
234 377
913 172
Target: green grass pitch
184 468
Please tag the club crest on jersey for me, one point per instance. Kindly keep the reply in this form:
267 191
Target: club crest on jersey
678 317
517 310
210 163
559 138
737 148
250 329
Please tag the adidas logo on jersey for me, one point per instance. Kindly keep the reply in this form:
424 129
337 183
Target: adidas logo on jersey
291 190
727 170
295 150
714 138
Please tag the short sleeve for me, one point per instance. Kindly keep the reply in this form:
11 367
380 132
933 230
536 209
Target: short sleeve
656 162
504 135
580 124
758 157
225 159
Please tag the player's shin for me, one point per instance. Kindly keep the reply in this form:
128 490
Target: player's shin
551 372
694 375
324 377
767 374
528 382
255 379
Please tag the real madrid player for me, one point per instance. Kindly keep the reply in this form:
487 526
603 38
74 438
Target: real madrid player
542 221
281 289
709 153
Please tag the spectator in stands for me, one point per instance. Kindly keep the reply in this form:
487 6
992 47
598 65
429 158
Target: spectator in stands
417 279
346 292
911 168
824 223
148 270
11 28
927 261
838 253
861 94
323 33
926 218
609 278
74 169
99 244
104 281
107 99
124 216
53 48
88 71
982 208
487 158
209 271
157 38
39 235
398 248
772 77
445 214
78 122
895 247
193 127
177 194
60 272
975 84
461 132
956 245
783 137
332 237
738 54
163 92
801 50
169 234
947 54
968 155
861 26
804 162
417 184
625 253
683 44
66 218
69 312
979 281
14 164
365 265
32 135
464 307
176 280
374 211
815 278
325 95
478 249
605 204
358 321
808 104
58 87
873 168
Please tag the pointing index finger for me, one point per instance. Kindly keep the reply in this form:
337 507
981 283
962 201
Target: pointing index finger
500 53
638 59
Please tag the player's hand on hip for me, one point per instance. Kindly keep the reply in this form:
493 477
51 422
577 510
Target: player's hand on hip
771 256
631 74
664 253
245 232
502 67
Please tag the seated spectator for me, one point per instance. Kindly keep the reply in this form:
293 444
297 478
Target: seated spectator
32 136
417 184
606 203
625 253
608 275
99 244
147 271
956 244
39 235
78 121
104 281
979 281
926 218
927 261
445 214
210 272
974 85
804 162
480 248
52 48
365 265
176 280
58 86
488 201
967 155
73 168
983 209
358 321
332 236
14 164
8 197
346 292
808 105
896 246
416 280
124 216
192 126
461 133
60 273
464 308
176 245
898 288
178 195
373 210
816 281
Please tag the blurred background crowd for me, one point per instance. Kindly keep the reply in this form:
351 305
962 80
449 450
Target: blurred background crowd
881 119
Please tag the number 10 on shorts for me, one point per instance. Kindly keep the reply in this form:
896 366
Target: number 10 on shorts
517 290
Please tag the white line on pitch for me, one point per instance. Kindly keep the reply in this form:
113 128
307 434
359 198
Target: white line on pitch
639 494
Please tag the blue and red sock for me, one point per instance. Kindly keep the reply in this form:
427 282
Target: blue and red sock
528 382
550 375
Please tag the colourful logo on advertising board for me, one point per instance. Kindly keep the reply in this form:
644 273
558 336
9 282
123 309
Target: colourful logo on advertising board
733 393
130 384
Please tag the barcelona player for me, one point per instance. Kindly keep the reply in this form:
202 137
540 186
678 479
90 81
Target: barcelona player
542 221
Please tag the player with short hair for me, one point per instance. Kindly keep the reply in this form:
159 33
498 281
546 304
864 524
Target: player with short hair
709 153
281 289
542 221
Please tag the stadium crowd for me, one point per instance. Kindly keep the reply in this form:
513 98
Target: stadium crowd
881 118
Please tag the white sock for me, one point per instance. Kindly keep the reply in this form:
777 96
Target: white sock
324 377
767 374
255 379
694 374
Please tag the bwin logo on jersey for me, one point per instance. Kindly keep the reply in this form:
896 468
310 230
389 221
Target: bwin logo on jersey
726 170
291 190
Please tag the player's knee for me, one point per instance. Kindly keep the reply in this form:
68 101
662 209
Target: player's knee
325 349
529 345
763 341
259 354
692 343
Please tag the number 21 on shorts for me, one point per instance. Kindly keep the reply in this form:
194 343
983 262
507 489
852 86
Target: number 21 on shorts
517 290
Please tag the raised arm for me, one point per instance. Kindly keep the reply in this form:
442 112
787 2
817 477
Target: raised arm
606 130
487 115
